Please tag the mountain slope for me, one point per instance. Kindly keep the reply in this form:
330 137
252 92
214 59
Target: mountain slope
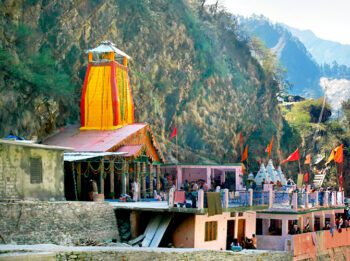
324 51
301 70
188 70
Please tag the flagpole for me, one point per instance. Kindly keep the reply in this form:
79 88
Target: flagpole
299 166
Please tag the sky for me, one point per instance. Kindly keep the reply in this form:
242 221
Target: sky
328 19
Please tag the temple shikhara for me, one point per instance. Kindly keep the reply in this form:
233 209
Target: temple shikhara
110 158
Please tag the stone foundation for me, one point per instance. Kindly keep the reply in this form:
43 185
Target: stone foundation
62 223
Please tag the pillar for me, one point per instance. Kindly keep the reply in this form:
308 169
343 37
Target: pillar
270 198
158 178
307 200
316 199
171 197
325 198
111 177
236 226
295 201
284 226
151 177
79 179
102 182
179 180
200 203
301 223
226 198
135 219
209 177
322 220
312 221
250 197
123 178
127 178
143 174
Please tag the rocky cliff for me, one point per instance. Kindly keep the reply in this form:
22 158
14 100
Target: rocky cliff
188 69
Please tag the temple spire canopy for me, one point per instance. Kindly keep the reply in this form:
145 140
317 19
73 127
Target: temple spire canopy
107 47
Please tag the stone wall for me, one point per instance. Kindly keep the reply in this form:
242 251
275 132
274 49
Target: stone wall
15 181
62 223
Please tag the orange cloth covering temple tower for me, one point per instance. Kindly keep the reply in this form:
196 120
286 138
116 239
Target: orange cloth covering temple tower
106 101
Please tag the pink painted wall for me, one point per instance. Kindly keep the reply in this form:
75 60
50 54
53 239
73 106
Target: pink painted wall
220 242
194 174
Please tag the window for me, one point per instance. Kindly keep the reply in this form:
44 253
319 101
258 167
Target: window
36 171
240 214
211 230
233 214
275 228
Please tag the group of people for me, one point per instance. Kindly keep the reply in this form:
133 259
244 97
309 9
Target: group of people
245 243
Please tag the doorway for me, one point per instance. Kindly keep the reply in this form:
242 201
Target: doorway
230 233
230 180
241 230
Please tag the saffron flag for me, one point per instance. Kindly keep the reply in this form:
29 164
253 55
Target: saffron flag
245 154
336 155
173 134
339 154
308 159
292 157
269 147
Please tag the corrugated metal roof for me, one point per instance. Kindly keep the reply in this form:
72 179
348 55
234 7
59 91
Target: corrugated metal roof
130 150
92 140
77 156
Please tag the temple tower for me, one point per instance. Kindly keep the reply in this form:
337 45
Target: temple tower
106 101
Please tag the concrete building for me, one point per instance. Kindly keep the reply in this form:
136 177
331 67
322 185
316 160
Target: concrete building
31 171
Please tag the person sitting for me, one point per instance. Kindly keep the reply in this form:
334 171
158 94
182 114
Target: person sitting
235 247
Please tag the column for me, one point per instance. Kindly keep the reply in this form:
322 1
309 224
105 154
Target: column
151 177
226 198
295 201
143 179
316 199
312 221
123 178
79 179
236 226
301 223
138 175
102 182
250 197
127 178
200 203
270 198
209 177
158 178
171 197
325 198
284 226
322 220
307 200
179 180
111 177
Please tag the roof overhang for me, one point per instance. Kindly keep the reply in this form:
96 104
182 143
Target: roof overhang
79 156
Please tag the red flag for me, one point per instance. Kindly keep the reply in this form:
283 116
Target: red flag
306 178
173 134
292 157
245 154
269 147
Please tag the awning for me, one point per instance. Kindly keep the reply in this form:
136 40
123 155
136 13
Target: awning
77 156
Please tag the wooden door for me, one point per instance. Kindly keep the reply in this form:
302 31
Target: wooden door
241 230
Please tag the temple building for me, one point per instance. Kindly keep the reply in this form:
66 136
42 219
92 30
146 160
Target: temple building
110 150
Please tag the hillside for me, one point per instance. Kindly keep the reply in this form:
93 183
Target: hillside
324 51
302 72
188 69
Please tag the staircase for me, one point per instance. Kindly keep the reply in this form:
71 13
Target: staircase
319 178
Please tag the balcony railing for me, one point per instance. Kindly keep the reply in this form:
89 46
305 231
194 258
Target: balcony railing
278 200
